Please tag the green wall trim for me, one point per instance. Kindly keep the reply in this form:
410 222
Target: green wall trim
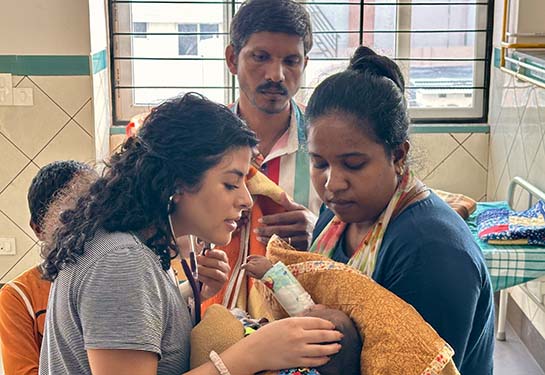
415 129
117 130
99 61
497 57
449 128
45 65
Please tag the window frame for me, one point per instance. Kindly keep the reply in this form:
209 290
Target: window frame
123 106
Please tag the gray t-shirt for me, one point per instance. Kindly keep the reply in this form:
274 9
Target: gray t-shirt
116 296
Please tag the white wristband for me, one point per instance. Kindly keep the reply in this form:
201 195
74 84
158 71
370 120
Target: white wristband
218 363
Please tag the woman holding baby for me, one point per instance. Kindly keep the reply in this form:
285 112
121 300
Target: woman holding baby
382 220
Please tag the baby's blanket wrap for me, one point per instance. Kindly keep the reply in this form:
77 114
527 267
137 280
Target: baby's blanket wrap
397 340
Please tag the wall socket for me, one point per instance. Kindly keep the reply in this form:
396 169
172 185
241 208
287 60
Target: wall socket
9 95
7 246
23 96
6 89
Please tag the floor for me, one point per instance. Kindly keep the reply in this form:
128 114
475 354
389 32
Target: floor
510 358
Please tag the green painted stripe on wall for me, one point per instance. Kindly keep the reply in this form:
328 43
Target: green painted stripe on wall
99 61
430 129
45 65
415 129
117 130
497 57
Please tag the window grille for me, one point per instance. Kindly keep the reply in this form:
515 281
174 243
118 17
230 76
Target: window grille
161 48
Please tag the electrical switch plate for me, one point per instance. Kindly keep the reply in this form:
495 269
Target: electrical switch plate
6 89
7 246
23 96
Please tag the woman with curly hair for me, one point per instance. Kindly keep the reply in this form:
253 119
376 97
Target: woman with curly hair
114 307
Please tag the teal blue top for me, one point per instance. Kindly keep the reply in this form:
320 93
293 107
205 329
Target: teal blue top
429 258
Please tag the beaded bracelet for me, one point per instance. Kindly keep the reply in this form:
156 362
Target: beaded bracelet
218 363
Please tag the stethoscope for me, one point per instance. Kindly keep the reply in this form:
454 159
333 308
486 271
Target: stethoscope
191 270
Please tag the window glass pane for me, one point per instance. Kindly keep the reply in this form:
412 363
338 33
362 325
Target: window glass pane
209 28
140 27
187 44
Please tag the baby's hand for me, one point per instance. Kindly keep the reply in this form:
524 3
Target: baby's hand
256 266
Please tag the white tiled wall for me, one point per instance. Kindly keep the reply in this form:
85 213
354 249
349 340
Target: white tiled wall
58 126
517 148
102 115
455 162
70 118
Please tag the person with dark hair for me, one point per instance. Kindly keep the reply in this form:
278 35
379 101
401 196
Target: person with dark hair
268 52
382 220
23 301
115 304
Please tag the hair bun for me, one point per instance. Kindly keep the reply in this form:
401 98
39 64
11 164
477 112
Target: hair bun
365 59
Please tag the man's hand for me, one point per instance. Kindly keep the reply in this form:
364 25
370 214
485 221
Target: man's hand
295 225
213 272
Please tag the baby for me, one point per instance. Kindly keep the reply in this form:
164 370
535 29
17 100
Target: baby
296 301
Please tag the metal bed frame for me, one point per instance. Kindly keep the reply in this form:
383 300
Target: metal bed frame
533 193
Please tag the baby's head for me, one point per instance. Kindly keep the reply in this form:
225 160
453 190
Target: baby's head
347 360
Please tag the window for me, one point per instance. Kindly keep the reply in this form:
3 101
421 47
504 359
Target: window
442 46
187 43
192 35
140 27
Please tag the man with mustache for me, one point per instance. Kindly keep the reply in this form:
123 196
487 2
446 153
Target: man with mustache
270 42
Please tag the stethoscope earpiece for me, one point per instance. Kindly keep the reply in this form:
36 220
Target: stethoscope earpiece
171 206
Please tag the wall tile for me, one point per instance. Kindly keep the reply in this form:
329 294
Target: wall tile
116 140
500 192
102 115
531 128
525 304
540 95
516 159
85 119
33 126
459 173
429 150
22 242
509 119
536 175
71 143
538 321
497 161
517 147
68 92
13 160
491 182
13 200
30 259
461 137
477 145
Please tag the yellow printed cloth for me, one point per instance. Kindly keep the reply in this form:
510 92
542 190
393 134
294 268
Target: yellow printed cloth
397 340
462 204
